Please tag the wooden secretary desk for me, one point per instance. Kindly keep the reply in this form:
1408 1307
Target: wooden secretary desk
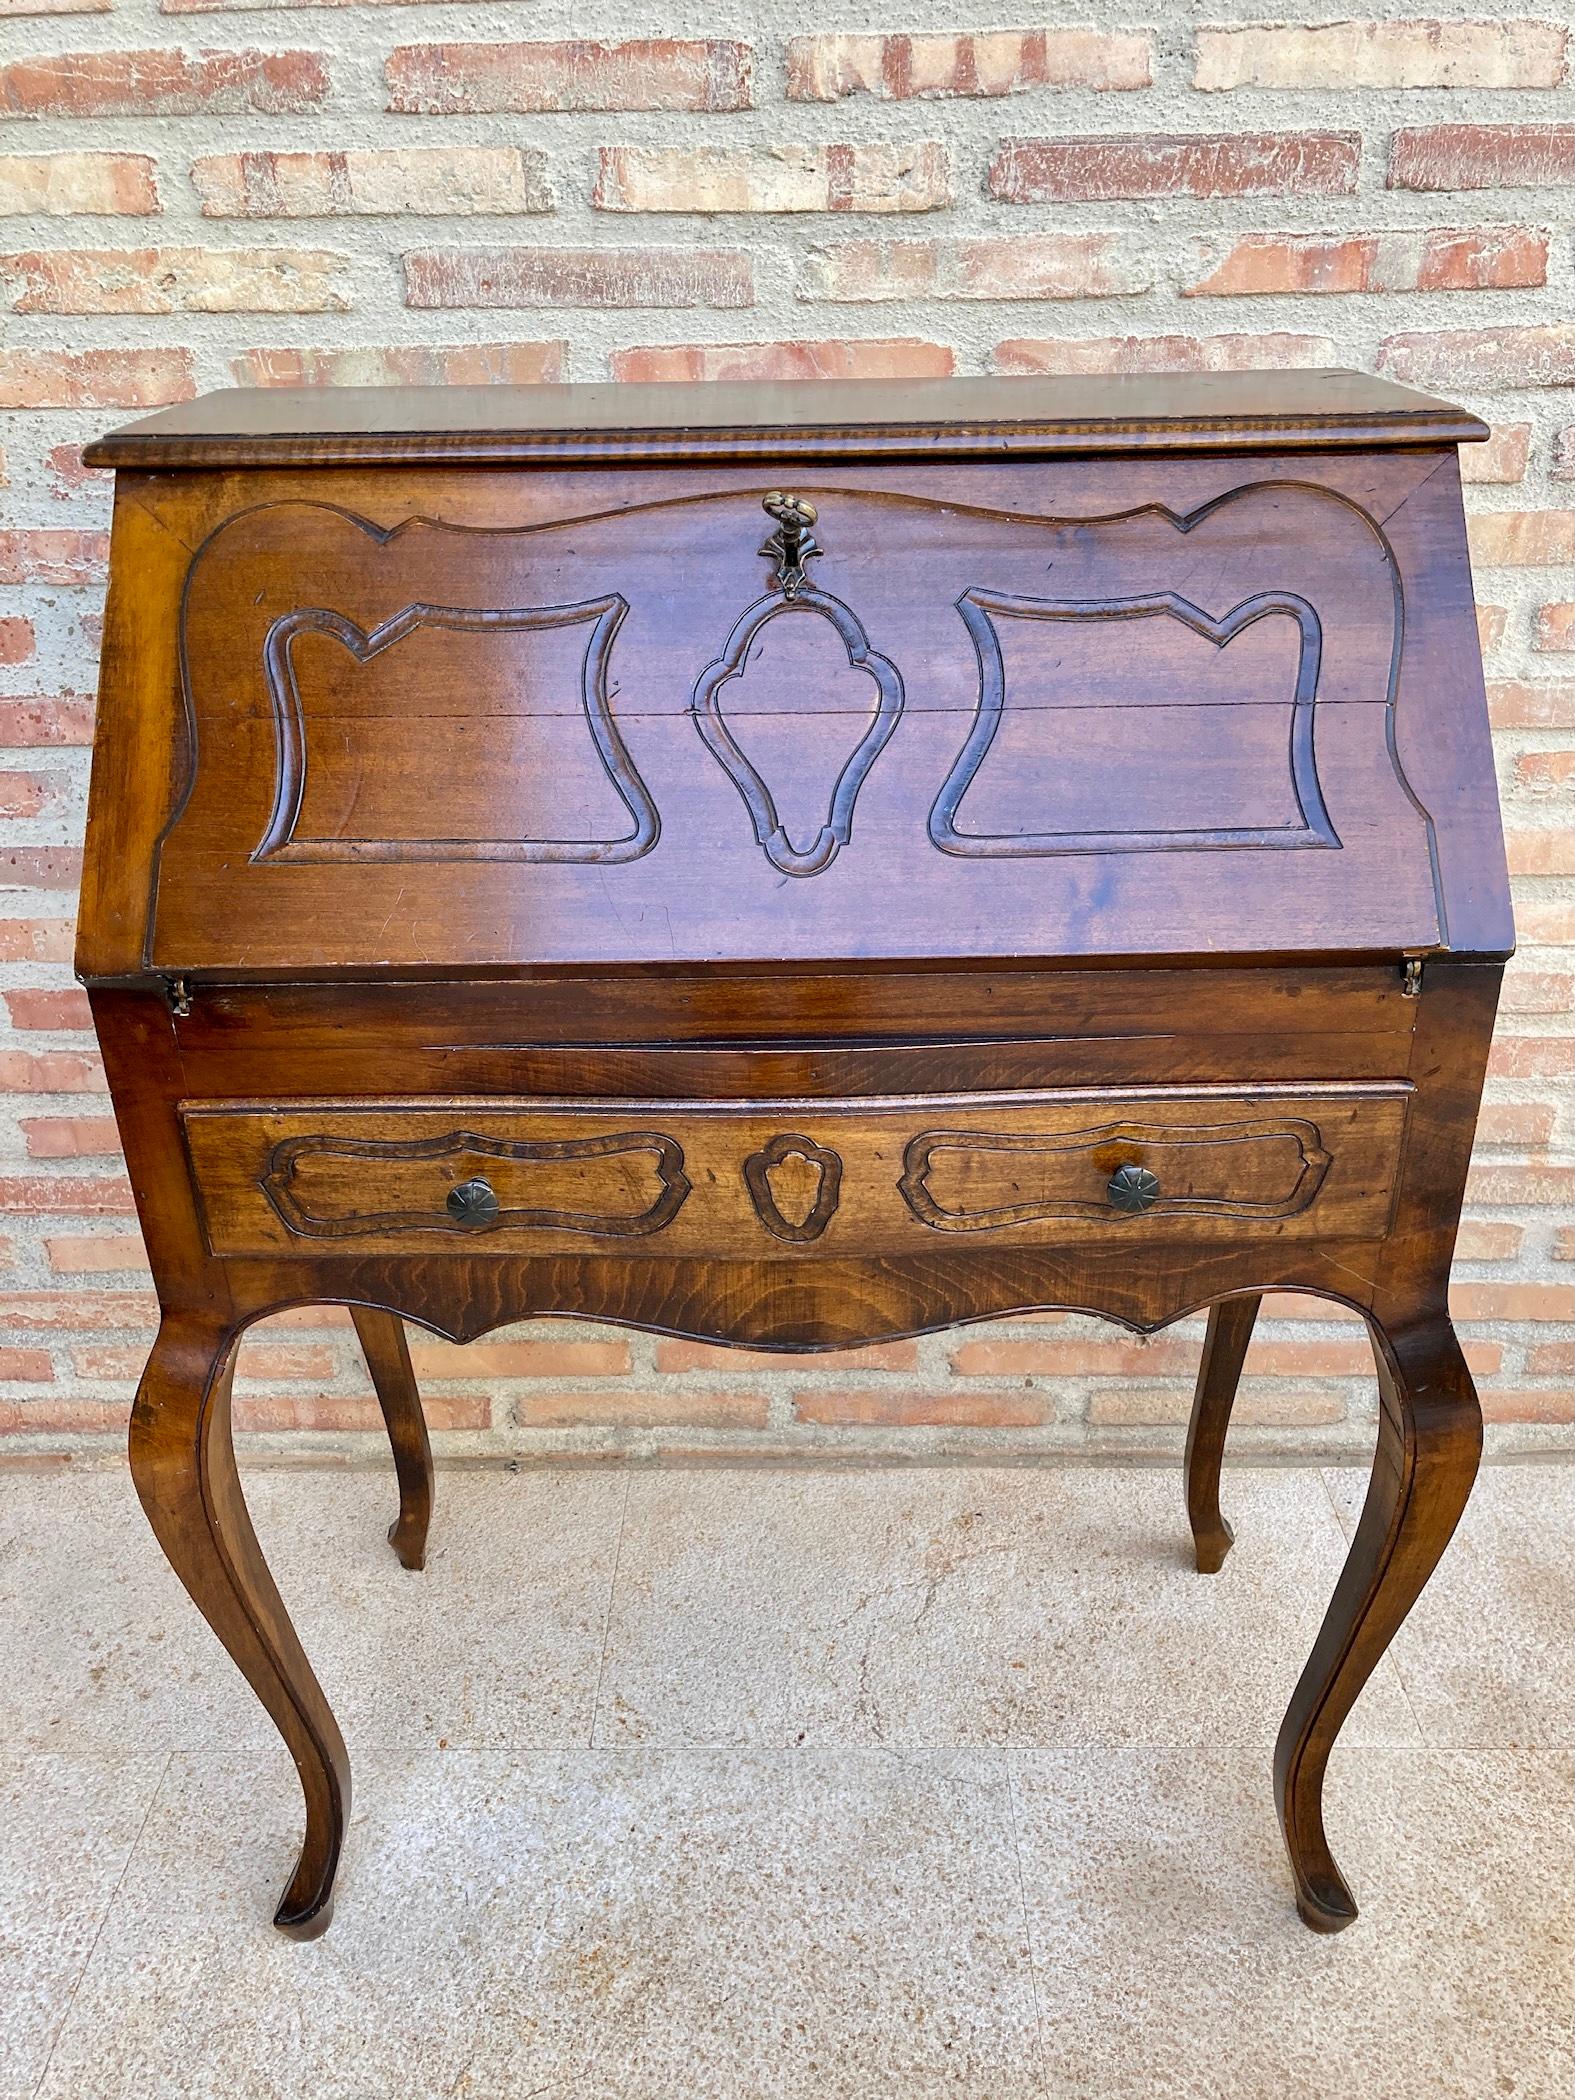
795 865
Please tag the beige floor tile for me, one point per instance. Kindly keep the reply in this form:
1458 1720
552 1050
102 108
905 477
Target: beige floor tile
624 1925
498 1643
67 1828
1003 1606
1170 1961
1488 1653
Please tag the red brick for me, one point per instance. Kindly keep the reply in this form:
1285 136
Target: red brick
1555 627
643 1409
67 1008
1430 260
1541 771
1033 266
68 558
99 185
36 940
1538 991
1542 354
1502 458
40 867
1550 852
588 277
1186 164
1528 1404
1516 1124
70 1137
697 74
1511 1187
1522 539
37 719
1340 56
164 83
1551 1360
256 1412
1542 922
1562 465
783 178
71 1195
78 1312
27 1366
1482 156
95 378
1075 1356
54 7
1491 623
17 641
176 280
537 1359
436 180
900 358
825 68
882 1408
69 477
406 364
50 1072
676 1357
1300 1406
28 794
1531 1057
83 1254
1481 1240
61 1417
1526 703
1163 353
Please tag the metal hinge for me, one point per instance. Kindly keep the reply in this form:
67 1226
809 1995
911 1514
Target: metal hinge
1411 983
178 993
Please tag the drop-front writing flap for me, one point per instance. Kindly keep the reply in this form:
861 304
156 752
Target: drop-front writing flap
746 722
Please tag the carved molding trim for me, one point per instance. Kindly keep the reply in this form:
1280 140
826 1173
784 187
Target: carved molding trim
760 1166
1153 1140
979 609
606 615
666 1156
706 707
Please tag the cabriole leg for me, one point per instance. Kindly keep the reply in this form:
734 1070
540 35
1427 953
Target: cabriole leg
1224 1351
1429 1442
183 1463
382 1336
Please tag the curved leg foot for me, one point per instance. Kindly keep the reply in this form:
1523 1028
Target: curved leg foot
183 1464
1219 1374
382 1337
1429 1442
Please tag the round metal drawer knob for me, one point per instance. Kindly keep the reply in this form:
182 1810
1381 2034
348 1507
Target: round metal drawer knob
473 1203
1133 1189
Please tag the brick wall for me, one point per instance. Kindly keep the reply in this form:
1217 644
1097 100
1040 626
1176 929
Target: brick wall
274 192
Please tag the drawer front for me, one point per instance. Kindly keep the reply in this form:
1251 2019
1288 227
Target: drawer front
835 1177
1120 708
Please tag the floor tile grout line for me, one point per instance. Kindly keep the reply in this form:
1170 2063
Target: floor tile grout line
1424 1740
1022 1893
612 1594
109 1903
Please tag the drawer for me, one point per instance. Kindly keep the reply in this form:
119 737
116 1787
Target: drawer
864 1176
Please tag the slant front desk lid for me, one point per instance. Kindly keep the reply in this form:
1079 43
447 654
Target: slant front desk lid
860 707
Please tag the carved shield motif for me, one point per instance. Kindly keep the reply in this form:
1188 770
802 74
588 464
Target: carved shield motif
794 1185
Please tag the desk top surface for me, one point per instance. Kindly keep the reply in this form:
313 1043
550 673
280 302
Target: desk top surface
851 418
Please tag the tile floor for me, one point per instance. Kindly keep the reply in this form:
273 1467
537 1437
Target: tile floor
785 1786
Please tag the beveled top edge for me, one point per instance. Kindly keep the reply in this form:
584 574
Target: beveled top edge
795 419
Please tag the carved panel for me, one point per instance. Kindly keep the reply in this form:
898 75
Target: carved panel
770 832
1305 823
794 1185
975 1181
284 840
621 1186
